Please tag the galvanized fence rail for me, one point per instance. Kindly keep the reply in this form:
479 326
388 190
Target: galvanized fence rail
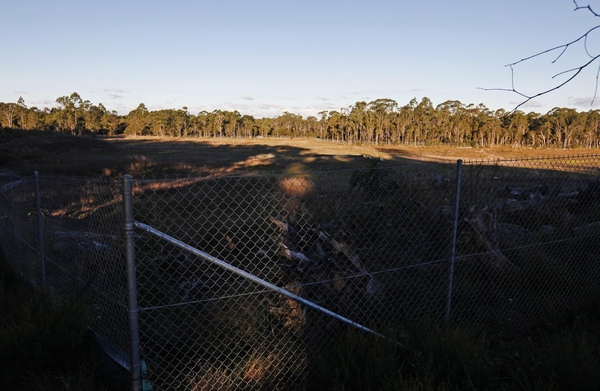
243 282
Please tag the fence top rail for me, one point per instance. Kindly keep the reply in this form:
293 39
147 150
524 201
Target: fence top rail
89 179
509 160
256 280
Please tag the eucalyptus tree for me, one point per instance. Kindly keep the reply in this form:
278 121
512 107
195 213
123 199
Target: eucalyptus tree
21 112
230 123
335 124
312 126
443 120
112 122
287 124
217 119
591 136
424 114
247 125
382 110
544 132
92 116
357 121
200 124
324 116
32 118
487 124
181 121
455 123
138 121
518 127
161 123
565 123
70 111
8 109
264 127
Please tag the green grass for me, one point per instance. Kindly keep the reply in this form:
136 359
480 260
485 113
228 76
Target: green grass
44 345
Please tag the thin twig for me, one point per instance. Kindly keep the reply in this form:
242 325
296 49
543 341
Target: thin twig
563 48
588 7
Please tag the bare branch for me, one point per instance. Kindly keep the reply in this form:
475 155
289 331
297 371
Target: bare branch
563 48
567 71
585 46
588 7
531 97
596 89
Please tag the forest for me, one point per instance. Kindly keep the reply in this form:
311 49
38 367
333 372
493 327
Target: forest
381 121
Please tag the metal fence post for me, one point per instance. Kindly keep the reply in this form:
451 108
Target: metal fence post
454 234
40 229
132 306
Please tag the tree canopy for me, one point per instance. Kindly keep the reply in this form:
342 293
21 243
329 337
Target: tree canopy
382 121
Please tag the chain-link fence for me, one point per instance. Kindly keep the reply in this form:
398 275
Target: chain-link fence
243 282
65 239
528 239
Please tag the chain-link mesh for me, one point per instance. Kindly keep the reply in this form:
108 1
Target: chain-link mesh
18 228
82 246
373 245
369 245
528 239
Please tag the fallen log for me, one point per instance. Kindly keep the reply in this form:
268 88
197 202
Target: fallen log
294 255
586 227
343 249
523 193
299 259
483 224
374 286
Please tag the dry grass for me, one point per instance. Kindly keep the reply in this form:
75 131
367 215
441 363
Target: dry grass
52 153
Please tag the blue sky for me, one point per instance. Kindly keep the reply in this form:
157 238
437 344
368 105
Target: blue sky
266 57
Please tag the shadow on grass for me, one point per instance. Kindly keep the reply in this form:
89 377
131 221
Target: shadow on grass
560 355
43 345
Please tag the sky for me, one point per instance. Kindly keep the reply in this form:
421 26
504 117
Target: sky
265 57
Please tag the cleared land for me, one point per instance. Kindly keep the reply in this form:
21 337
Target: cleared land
562 354
52 153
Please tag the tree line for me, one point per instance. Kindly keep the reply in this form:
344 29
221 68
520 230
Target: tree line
382 121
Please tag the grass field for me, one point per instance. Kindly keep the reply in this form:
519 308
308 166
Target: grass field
44 347
52 153
557 353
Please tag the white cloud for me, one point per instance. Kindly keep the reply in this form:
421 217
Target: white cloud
583 102
531 103
44 103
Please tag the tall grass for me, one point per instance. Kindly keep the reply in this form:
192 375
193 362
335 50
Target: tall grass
45 345
232 336
561 355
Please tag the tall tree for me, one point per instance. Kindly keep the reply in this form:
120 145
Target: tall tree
137 121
